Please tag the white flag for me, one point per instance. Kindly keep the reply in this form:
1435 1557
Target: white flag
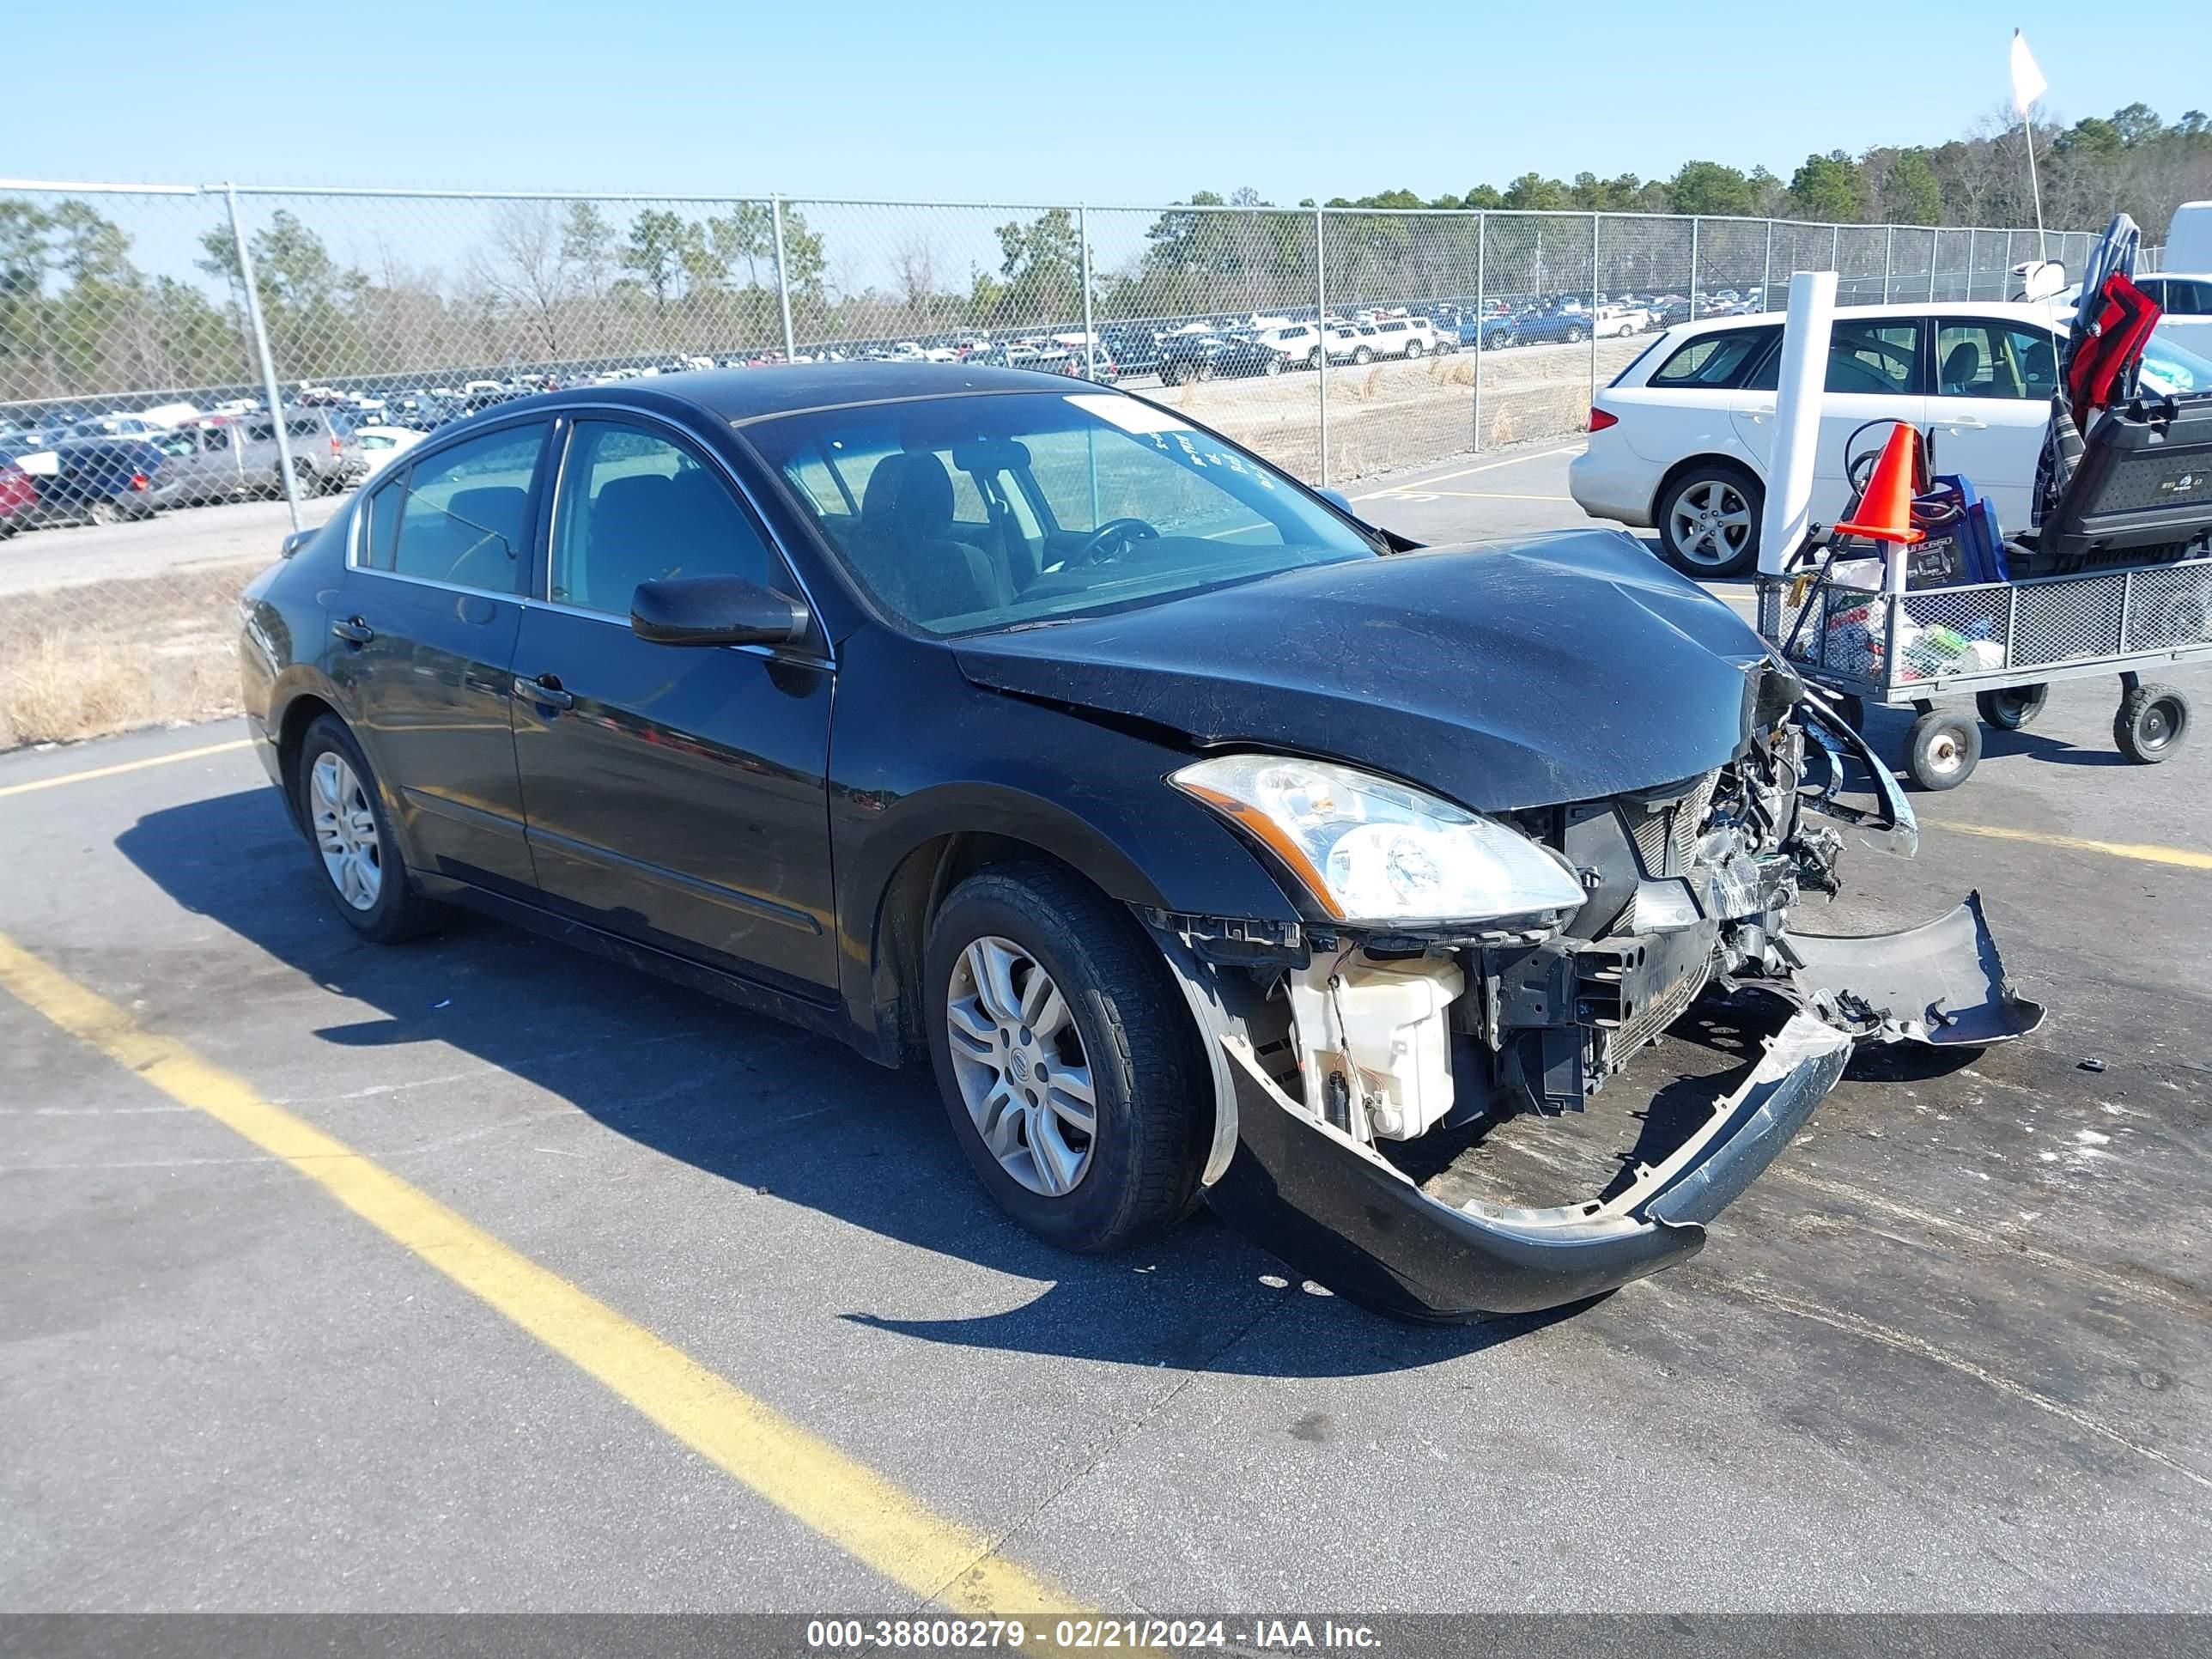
2028 82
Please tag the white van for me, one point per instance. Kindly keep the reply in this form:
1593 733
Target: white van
2188 239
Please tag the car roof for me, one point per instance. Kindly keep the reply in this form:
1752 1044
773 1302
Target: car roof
2028 311
739 395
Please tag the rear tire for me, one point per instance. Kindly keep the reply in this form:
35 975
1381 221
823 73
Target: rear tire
103 513
1575 337
342 811
2014 708
1709 519
1412 349
1362 356
1125 1032
2152 723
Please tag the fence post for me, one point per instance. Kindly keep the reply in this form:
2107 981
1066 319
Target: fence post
1970 261
1481 257
1836 249
1767 281
1888 259
1694 227
1090 338
1593 362
268 363
782 281
1935 252
1320 327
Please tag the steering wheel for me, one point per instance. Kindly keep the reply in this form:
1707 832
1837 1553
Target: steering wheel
1122 530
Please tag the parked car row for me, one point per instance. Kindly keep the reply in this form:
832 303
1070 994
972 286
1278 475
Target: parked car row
107 479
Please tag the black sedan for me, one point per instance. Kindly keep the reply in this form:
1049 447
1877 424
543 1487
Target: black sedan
1216 356
1210 843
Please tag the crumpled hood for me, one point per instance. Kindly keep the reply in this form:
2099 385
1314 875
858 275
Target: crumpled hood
1558 668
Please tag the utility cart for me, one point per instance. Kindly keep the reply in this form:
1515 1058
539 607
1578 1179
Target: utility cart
2005 643
2116 581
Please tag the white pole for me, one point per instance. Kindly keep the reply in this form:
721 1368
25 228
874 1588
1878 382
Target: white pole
268 387
2034 189
1797 400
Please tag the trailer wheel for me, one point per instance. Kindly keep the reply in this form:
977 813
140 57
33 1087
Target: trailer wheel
2013 707
1943 750
2152 722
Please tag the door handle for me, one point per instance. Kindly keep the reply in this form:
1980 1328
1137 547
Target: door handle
1966 424
1757 418
545 691
353 631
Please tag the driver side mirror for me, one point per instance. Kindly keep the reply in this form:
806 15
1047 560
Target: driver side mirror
714 610
1340 501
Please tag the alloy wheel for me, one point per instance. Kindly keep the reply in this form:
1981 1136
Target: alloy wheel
345 831
1711 523
1019 1061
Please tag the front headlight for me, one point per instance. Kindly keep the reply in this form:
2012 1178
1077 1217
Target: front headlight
1373 851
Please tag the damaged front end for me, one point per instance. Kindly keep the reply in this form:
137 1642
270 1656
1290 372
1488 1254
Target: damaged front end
1336 1047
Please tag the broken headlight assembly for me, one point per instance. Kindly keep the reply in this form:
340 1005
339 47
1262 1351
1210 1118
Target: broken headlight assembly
1370 851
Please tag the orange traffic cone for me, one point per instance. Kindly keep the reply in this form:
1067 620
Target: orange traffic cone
1885 508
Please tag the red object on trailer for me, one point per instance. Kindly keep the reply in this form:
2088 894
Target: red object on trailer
1885 512
2113 329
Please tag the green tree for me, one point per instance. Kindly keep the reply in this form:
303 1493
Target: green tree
1710 187
655 254
1909 193
1829 189
1042 265
1534 190
587 245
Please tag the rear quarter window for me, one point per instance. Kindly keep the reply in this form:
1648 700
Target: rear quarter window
1713 362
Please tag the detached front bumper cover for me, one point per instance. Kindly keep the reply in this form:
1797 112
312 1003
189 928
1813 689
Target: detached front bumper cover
1336 1211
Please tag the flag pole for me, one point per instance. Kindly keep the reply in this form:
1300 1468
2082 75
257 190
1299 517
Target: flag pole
2034 189
2027 86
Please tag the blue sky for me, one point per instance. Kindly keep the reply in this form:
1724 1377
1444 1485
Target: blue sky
1132 101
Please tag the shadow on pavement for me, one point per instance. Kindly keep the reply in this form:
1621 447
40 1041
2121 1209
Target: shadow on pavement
752 1102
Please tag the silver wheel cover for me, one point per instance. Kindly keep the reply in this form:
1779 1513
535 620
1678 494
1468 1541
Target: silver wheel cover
345 831
1711 523
1020 1067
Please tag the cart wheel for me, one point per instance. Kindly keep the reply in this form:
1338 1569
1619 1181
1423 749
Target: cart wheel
1943 749
1852 707
2151 724
2013 707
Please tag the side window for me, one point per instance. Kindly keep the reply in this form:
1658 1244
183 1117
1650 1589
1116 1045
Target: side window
2188 299
306 428
216 437
1994 360
1712 362
1881 358
635 507
459 516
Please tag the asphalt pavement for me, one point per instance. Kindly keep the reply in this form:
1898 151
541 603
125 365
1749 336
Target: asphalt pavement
1950 1353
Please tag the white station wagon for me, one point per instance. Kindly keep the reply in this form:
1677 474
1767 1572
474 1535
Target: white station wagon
1682 439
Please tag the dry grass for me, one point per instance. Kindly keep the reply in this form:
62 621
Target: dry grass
87 661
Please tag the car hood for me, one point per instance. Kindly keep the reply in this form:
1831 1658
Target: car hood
1558 668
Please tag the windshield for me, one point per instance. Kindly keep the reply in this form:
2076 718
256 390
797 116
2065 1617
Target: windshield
963 514
2172 369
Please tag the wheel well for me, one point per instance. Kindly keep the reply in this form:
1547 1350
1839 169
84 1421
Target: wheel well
911 900
1674 474
302 712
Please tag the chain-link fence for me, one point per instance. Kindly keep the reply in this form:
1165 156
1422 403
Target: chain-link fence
1339 342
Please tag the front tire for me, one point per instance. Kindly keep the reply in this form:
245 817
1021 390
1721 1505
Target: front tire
335 793
2151 724
1709 520
1412 349
1943 750
1362 357
1069 1066
1575 337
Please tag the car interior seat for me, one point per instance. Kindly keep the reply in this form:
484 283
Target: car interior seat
1962 368
650 527
905 549
477 536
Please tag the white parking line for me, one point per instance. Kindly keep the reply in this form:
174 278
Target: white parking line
1469 472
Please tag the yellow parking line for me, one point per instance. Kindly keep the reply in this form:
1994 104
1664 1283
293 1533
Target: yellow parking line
122 767
847 1503
2143 852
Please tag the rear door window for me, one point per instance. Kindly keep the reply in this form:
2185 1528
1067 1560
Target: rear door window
461 516
1979 359
1714 362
